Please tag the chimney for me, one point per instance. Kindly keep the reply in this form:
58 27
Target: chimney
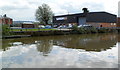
85 10
4 15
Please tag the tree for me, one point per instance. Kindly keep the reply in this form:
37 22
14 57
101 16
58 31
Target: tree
5 30
44 14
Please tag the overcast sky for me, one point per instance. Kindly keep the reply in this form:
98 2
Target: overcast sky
25 9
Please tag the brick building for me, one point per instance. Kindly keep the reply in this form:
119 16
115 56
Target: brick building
97 19
28 25
118 22
6 20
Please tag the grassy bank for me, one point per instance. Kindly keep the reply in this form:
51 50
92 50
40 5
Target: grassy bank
43 32
74 30
31 29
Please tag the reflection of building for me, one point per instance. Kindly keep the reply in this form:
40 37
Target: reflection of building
6 20
92 42
89 43
97 19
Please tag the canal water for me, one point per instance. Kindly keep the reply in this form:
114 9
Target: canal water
63 51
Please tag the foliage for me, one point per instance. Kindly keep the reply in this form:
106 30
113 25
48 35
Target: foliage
34 29
81 30
102 30
75 28
44 14
5 30
92 30
84 30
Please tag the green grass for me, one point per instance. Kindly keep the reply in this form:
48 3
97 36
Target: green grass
31 29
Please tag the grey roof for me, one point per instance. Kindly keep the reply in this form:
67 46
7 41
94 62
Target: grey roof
82 14
103 17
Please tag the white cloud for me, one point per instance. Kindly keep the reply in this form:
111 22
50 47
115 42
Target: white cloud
25 9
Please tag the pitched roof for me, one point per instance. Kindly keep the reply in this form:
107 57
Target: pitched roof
82 14
102 16
1 17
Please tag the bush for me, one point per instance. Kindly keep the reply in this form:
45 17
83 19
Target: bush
5 30
84 30
102 30
93 30
81 30
74 29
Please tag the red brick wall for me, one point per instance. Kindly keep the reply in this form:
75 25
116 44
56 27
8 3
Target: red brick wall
0 21
94 24
108 24
6 21
118 22
11 21
103 24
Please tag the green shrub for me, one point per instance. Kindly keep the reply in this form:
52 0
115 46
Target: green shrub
87 30
84 30
81 30
102 30
5 30
75 28
93 30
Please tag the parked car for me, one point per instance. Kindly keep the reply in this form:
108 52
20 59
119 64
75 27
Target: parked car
70 26
85 26
41 26
55 26
62 26
48 26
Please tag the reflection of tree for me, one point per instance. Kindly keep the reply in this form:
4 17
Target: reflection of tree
45 46
6 44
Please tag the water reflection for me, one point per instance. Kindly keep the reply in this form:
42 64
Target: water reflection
75 51
92 42
96 43
119 38
44 46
